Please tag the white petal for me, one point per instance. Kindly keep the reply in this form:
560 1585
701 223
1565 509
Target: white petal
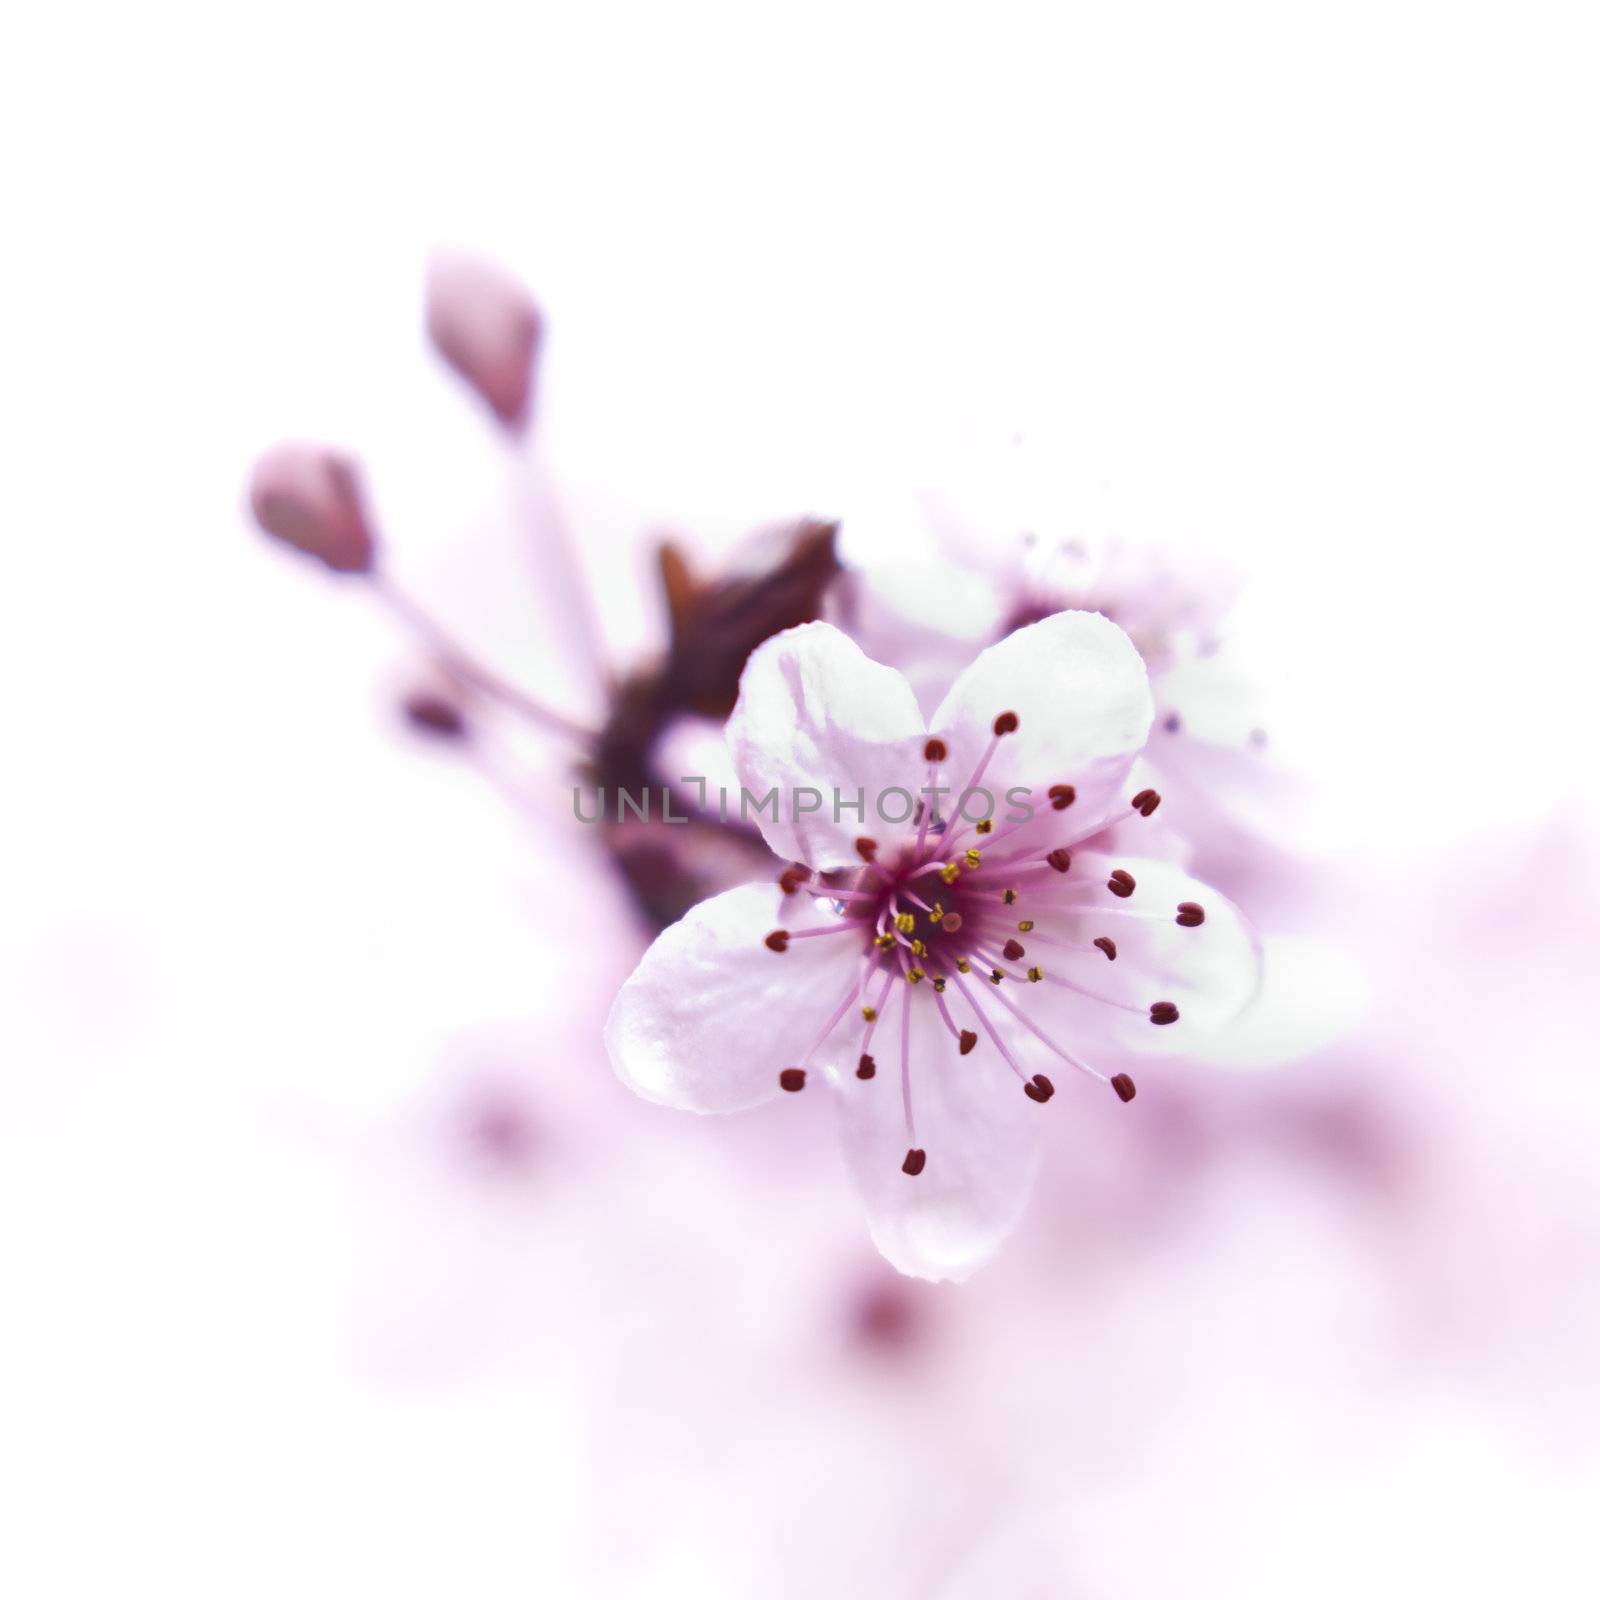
1079 691
711 1016
816 717
980 1133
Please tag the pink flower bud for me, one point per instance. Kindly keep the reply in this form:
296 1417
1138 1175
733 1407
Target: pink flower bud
308 496
485 324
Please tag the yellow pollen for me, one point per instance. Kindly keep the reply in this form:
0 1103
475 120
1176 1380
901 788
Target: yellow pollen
915 975
963 964
937 914
870 1013
986 826
1035 974
1010 897
918 947
1025 926
905 922
971 857
938 984
950 873
884 941
996 975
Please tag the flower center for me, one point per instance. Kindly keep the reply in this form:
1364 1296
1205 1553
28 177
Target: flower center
959 912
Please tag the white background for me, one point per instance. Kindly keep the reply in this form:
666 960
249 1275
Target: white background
1314 285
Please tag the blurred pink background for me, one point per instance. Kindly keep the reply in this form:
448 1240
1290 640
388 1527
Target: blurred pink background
338 1261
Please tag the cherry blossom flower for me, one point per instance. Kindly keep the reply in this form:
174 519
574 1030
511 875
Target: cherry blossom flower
931 970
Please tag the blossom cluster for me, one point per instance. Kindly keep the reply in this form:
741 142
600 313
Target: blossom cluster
998 891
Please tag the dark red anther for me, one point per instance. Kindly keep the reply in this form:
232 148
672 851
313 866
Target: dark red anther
1145 802
866 1067
434 715
1013 951
969 1041
1061 796
1109 946
1040 1089
1123 1084
792 877
793 1079
1163 1012
1121 884
934 750
1190 914
914 1162
866 848
778 940
1059 859
1005 723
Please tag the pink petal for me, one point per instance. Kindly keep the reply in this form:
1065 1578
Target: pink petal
980 1135
1077 688
815 715
711 1016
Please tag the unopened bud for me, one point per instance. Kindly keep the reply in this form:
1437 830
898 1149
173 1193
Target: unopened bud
308 496
485 324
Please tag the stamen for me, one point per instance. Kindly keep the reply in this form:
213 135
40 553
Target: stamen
986 826
969 1041
867 849
792 1079
1163 1012
905 1066
1190 915
778 940
1121 883
1039 1089
1005 723
866 1067
1045 1039
988 1027
1009 896
1061 795
1145 802
792 877
1109 946
1012 950
1060 860
935 750
1123 1084
1025 926
914 1162
874 1011
826 892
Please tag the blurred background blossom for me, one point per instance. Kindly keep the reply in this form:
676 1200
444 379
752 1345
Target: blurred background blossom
338 1258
